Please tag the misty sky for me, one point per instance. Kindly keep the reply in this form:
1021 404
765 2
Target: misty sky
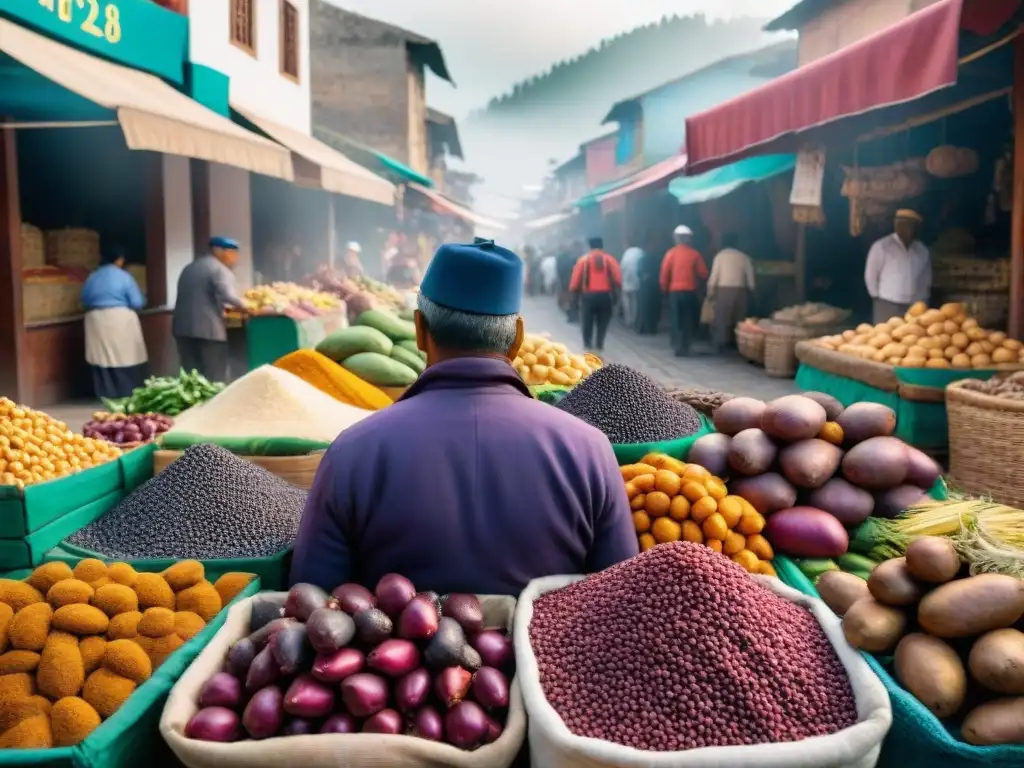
491 44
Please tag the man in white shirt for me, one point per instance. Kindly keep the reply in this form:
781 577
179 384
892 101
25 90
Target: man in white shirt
631 285
899 268
730 284
549 274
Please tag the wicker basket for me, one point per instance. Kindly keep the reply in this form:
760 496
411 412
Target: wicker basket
878 375
50 299
780 348
297 470
73 248
750 343
991 310
33 252
958 274
985 445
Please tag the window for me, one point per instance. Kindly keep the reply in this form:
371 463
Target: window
243 24
289 40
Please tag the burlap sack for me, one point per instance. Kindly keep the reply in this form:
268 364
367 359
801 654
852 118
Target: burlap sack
553 744
334 750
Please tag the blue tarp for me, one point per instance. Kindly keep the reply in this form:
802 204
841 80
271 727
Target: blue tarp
721 181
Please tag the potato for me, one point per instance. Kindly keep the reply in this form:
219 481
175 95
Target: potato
937 363
959 340
1002 355
891 584
944 340
913 362
927 342
1013 345
950 352
931 670
974 348
972 606
917 308
995 722
907 330
870 626
981 361
987 346
960 361
932 559
841 590
951 326
936 354
997 661
865 328
935 329
970 322
915 351
952 309
975 334
879 356
996 337
930 317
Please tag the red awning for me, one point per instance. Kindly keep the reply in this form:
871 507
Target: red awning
648 176
444 206
904 62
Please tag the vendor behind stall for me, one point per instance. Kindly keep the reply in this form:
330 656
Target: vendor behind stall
899 268
114 347
467 483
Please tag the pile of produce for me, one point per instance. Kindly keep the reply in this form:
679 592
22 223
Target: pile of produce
270 402
680 649
813 468
35 448
1008 386
359 293
629 407
207 504
543 361
388 662
281 297
380 348
929 338
811 313
332 379
702 400
167 395
673 501
953 637
75 644
122 429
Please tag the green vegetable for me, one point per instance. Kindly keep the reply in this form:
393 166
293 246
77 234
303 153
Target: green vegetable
812 568
168 395
852 562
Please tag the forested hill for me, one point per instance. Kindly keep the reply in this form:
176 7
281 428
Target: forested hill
511 139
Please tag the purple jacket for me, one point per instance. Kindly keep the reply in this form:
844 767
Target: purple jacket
466 484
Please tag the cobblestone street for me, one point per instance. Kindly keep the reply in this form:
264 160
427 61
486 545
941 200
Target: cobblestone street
652 355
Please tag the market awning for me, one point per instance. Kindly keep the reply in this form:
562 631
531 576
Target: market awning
915 57
152 115
647 177
549 221
721 181
337 173
370 158
442 204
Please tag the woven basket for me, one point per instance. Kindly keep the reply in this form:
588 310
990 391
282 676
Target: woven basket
780 342
33 252
297 470
958 274
878 375
50 300
985 445
73 248
750 344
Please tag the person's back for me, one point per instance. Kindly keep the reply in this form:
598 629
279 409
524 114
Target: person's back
196 300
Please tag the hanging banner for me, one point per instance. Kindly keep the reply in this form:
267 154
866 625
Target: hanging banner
808 178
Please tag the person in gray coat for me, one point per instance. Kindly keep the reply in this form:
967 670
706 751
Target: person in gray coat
205 288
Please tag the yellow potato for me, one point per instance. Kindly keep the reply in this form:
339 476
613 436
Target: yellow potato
848 335
936 354
974 348
879 356
937 363
987 346
913 362
864 328
960 340
893 360
928 342
931 316
914 351
917 308
1013 345
981 361
944 340
960 361
970 322
1002 355
951 309
997 337
950 327
529 358
936 329
950 352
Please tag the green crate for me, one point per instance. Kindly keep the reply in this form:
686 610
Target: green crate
23 513
131 737
14 554
43 540
137 466
272 571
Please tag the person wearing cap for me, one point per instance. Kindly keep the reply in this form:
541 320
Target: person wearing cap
114 347
596 281
466 483
730 285
682 271
205 288
351 262
898 271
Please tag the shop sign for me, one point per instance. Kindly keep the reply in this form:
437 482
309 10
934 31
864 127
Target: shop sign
808 178
137 33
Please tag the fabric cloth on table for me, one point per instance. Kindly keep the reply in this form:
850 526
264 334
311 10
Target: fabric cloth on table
730 309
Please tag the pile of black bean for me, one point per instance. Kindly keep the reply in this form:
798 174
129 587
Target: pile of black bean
629 407
207 504
679 648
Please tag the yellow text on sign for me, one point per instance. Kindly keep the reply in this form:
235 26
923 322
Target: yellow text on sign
93 17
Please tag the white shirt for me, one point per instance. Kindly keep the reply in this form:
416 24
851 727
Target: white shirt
549 271
630 268
731 269
896 273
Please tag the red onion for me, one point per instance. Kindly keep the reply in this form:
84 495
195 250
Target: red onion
465 725
307 697
394 593
221 690
490 688
335 667
494 647
394 658
494 730
364 694
413 690
214 724
419 619
427 724
298 726
353 598
466 610
452 685
264 714
341 722
386 721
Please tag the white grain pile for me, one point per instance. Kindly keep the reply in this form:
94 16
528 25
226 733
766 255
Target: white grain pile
270 402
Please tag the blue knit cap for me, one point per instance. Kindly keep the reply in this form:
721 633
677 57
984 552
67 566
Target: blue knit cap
223 242
482 278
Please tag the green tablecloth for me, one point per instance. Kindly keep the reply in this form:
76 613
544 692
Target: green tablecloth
271 337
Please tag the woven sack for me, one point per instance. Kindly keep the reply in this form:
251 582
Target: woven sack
362 750
552 744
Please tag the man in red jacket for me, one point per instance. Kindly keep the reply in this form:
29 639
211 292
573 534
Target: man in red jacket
597 280
681 273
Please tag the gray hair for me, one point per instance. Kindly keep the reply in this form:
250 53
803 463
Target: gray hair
465 331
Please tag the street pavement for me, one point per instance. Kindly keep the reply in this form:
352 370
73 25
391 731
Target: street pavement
653 356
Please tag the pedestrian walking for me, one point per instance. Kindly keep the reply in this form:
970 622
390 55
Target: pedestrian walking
596 283
729 288
681 273
899 268
649 299
631 260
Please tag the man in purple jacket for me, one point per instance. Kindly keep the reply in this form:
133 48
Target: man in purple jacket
467 483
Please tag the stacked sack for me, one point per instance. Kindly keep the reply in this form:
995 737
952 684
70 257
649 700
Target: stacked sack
75 644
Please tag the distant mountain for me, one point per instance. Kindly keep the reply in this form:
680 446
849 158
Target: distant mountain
511 139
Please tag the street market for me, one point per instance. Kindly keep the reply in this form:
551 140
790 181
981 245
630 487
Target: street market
304 459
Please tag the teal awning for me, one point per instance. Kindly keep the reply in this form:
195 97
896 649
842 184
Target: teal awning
593 196
370 158
721 181
400 169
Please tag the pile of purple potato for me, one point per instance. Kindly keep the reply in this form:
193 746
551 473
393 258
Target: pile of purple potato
391 661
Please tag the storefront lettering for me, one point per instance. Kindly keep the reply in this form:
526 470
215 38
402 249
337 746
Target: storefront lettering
70 11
